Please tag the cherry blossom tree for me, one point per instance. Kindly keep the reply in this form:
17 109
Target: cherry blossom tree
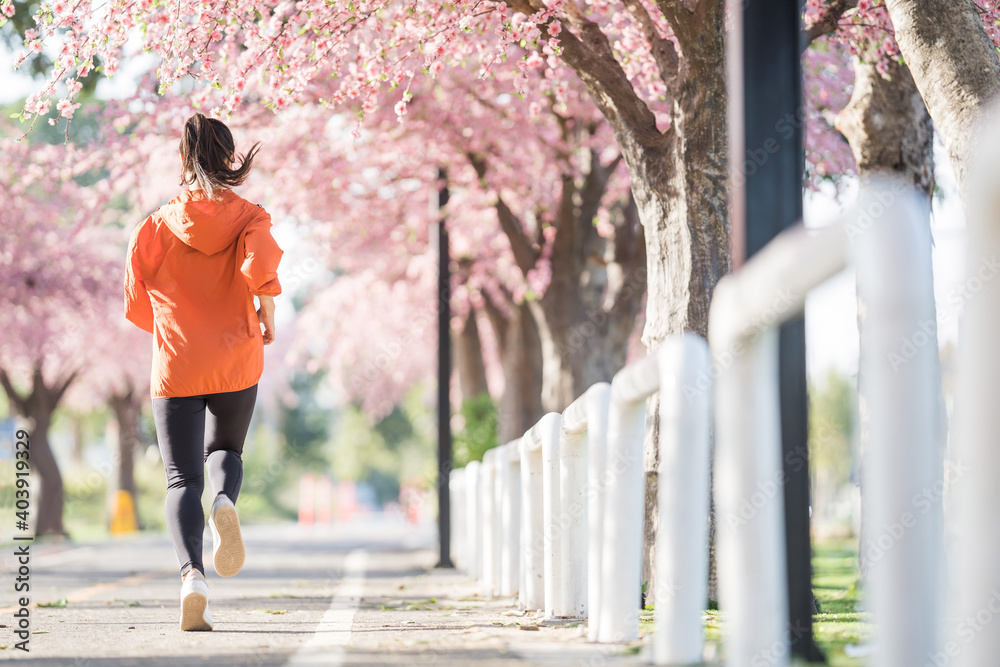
57 287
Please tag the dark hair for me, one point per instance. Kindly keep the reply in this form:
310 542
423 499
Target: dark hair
208 152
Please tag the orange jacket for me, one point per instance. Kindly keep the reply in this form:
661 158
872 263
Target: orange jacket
192 269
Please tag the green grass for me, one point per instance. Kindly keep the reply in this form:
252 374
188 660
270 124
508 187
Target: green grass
835 584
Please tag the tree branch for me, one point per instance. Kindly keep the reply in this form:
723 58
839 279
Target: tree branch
20 402
586 49
828 22
663 50
525 252
61 387
679 15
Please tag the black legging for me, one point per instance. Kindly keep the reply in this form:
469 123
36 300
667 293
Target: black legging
191 438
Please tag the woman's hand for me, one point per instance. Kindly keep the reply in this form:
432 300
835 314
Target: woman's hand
265 315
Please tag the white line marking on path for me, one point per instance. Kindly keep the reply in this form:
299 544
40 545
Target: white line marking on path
328 647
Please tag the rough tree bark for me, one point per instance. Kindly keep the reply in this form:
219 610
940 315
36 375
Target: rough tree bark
954 66
890 131
37 407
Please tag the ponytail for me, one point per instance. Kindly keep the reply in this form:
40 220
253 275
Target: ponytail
208 153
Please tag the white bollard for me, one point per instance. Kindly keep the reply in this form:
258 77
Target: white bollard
487 502
598 405
498 534
753 585
974 468
903 463
554 564
510 557
474 522
532 543
681 573
582 454
621 560
571 599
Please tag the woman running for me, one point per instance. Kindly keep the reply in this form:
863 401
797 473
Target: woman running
193 269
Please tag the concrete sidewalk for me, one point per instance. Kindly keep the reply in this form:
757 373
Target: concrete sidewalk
364 593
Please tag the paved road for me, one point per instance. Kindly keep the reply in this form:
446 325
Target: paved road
363 593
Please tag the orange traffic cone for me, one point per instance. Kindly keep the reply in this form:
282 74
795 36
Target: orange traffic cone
123 517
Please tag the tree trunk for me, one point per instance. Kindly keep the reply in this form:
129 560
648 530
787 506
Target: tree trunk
888 127
521 356
37 407
589 310
890 131
127 407
687 236
43 461
954 66
469 359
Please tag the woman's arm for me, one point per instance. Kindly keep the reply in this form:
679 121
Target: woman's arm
265 315
138 307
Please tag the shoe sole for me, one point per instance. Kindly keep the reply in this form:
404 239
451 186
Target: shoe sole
193 613
231 553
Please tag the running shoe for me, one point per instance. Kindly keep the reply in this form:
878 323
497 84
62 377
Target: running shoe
228 550
194 603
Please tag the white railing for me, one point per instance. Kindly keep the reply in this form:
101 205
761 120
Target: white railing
887 240
973 599
578 496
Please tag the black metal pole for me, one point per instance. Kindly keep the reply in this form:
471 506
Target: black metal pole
773 159
444 380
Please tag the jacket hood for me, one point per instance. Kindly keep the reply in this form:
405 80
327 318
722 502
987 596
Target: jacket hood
206 225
